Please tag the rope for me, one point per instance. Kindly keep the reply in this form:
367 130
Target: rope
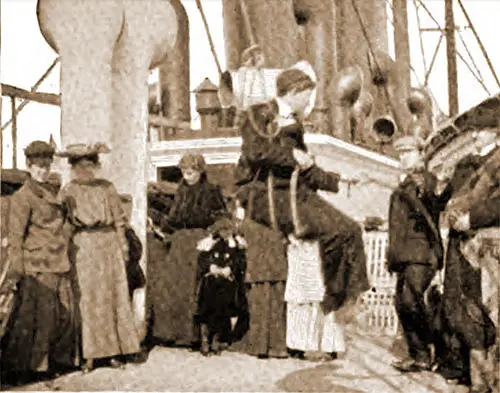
422 50
372 52
433 60
479 76
209 36
246 21
33 90
479 79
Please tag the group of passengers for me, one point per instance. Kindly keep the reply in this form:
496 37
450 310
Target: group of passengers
218 270
451 327
221 278
267 217
68 255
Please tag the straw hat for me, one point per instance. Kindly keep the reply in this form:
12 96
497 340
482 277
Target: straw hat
84 150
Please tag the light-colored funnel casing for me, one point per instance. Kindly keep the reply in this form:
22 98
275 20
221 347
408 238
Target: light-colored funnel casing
107 48
320 36
273 27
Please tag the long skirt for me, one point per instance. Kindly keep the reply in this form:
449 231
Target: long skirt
266 336
309 329
105 311
41 332
172 291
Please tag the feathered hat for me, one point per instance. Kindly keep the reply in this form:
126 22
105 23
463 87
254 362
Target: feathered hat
84 150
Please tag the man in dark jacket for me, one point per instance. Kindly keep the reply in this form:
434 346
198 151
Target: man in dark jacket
473 197
273 150
41 337
415 251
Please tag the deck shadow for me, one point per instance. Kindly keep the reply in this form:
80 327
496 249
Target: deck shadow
314 379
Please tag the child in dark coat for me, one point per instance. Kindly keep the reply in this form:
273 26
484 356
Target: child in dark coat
221 295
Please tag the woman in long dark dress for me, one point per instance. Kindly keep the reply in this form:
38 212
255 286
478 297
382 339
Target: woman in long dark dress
197 205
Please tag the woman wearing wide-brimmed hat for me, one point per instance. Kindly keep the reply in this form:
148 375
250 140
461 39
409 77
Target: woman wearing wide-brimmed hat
98 251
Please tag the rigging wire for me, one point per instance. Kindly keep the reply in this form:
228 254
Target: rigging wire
479 41
422 50
471 58
481 82
433 60
209 36
255 60
33 90
422 4
479 79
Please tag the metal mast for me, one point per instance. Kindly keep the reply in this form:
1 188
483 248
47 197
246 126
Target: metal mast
451 53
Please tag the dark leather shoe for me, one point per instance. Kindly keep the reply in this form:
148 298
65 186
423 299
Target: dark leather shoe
480 390
296 354
410 366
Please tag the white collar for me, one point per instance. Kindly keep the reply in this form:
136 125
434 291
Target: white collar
487 149
284 109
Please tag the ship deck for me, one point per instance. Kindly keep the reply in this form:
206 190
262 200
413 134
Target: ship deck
364 368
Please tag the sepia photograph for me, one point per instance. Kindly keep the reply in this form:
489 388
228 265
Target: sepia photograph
250 196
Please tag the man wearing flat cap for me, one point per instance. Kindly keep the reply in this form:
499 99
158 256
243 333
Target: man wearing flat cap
415 250
41 336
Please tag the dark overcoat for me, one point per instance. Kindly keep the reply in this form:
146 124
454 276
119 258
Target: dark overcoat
219 298
38 235
266 149
42 326
196 206
414 236
172 279
461 279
